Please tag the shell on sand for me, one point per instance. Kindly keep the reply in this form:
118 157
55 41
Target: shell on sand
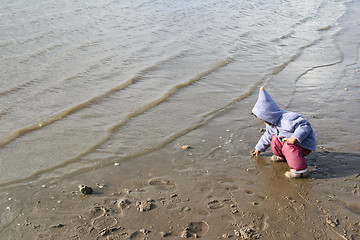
185 147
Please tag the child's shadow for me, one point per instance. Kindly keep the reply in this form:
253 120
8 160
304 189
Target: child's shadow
324 165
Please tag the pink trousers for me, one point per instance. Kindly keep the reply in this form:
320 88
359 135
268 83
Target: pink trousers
293 153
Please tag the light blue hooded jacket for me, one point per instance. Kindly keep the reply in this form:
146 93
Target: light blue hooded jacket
287 124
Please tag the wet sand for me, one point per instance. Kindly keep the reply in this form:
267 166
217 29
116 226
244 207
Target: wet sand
211 190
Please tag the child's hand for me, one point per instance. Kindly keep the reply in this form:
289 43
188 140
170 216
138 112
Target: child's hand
255 153
291 140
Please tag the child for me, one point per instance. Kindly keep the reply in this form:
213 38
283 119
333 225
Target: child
290 135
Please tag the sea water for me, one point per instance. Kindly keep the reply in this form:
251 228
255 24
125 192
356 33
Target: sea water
86 83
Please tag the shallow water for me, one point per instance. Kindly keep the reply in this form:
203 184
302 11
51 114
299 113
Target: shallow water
87 83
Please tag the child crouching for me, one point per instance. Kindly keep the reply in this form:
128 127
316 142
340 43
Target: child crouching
290 135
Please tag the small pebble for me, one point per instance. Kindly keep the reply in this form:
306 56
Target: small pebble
145 231
185 147
253 153
43 186
164 234
185 233
226 235
346 89
85 190
234 211
60 225
116 164
332 222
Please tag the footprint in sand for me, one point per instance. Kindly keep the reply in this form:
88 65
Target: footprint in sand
84 230
172 202
232 188
215 204
195 229
205 190
138 236
203 212
249 191
98 211
162 184
103 222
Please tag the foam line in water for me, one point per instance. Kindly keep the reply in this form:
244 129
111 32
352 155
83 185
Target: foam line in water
61 114
280 68
19 87
172 91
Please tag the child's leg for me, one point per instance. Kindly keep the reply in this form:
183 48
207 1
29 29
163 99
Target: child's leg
276 146
294 155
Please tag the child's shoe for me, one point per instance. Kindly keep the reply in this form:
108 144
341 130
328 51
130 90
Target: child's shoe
292 175
275 158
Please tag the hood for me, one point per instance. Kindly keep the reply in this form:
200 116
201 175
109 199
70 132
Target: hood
266 108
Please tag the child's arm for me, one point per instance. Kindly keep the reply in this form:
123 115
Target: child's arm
302 130
265 140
